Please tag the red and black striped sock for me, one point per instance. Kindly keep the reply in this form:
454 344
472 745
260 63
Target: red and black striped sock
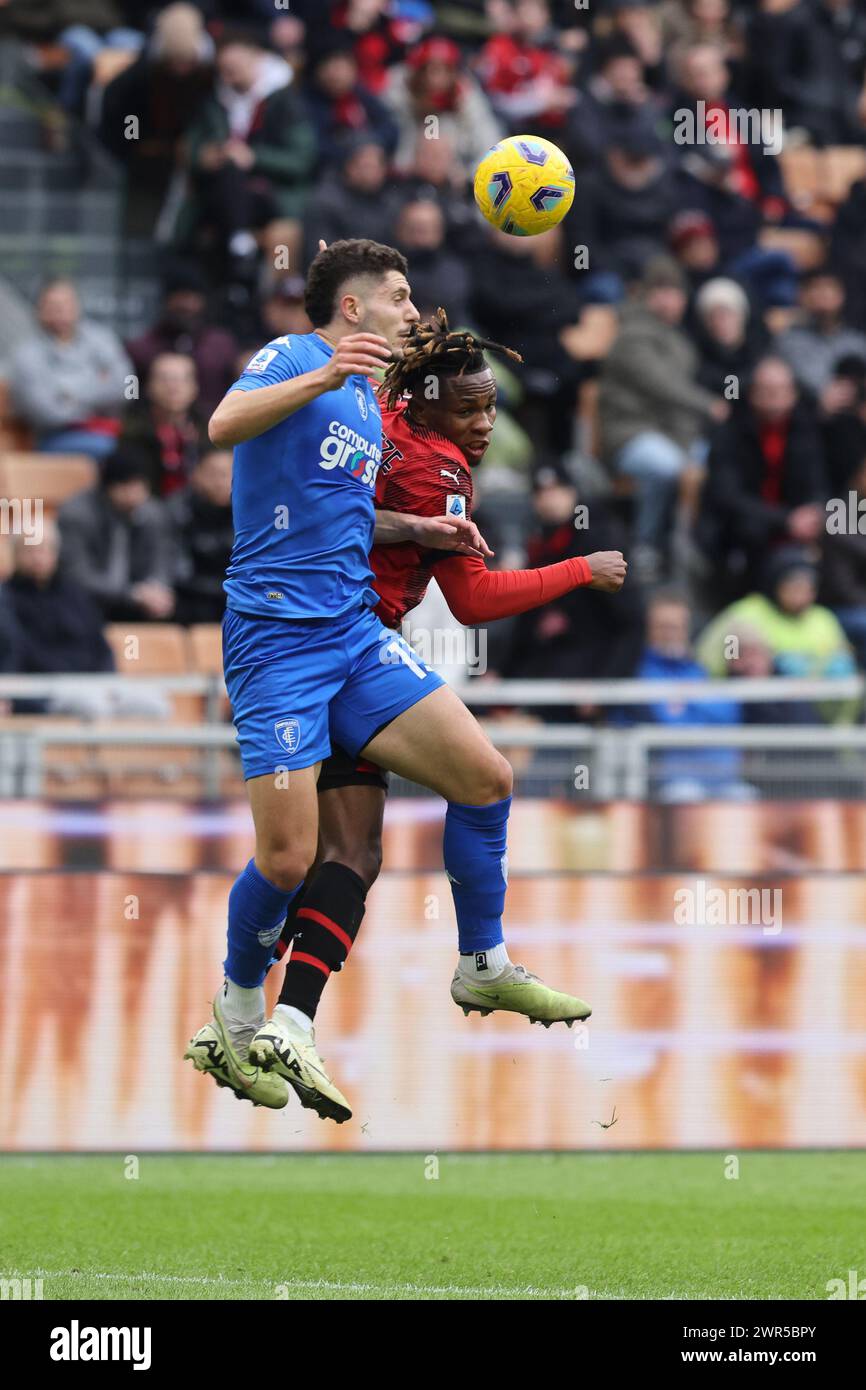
325 928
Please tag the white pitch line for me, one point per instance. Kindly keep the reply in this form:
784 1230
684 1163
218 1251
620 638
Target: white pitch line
334 1285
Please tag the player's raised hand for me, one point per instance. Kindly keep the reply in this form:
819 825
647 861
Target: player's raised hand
455 533
358 354
609 570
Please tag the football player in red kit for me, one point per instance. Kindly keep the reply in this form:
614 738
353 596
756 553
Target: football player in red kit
431 441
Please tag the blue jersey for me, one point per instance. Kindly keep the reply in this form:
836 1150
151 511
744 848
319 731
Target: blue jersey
303 492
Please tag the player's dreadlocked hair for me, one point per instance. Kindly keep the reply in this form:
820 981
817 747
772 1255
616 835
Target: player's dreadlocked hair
435 349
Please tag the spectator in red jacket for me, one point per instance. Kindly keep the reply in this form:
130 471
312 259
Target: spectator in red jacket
381 36
524 71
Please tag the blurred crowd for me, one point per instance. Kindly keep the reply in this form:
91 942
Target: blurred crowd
693 384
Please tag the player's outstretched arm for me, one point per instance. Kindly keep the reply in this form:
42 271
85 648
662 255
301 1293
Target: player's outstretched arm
476 594
243 415
457 534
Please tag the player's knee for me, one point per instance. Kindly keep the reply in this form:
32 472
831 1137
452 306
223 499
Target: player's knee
491 780
502 779
364 859
285 865
369 863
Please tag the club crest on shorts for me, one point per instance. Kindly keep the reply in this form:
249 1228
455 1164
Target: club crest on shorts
455 504
288 732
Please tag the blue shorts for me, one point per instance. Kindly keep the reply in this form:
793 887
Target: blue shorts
294 686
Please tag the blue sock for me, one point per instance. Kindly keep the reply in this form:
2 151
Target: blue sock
257 910
474 850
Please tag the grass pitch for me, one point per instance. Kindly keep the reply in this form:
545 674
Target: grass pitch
499 1226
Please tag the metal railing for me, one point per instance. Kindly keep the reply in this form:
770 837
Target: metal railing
625 761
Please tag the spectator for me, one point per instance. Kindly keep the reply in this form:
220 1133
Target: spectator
622 210
810 60
583 634
706 183
10 638
752 659
766 484
282 311
728 336
435 173
843 567
687 774
848 250
382 31
337 103
167 430
251 152
438 278
59 625
162 91
804 638
96 25
615 108
69 381
693 242
202 517
183 327
844 422
525 73
117 543
539 305
703 75
639 23
652 409
353 199
687 22
431 95
821 338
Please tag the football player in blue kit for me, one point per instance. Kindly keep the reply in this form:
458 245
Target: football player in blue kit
307 661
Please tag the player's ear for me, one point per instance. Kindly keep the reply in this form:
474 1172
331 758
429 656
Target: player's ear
351 307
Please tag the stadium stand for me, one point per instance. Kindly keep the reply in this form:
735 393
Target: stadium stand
116 175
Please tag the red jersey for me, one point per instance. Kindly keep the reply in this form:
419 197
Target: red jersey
424 474
420 472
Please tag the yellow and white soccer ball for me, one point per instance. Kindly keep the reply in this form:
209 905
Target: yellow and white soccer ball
524 185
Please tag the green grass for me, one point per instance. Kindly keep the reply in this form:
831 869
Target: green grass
491 1226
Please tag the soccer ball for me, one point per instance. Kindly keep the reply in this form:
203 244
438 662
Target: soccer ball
524 185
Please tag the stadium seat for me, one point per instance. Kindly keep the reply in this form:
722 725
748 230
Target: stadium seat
801 174
206 657
205 641
52 477
148 649
806 249
843 165
156 649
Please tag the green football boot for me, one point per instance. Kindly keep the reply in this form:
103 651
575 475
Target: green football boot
220 1050
515 991
282 1048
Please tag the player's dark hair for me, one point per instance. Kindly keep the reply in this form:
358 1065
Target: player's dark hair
342 261
434 349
